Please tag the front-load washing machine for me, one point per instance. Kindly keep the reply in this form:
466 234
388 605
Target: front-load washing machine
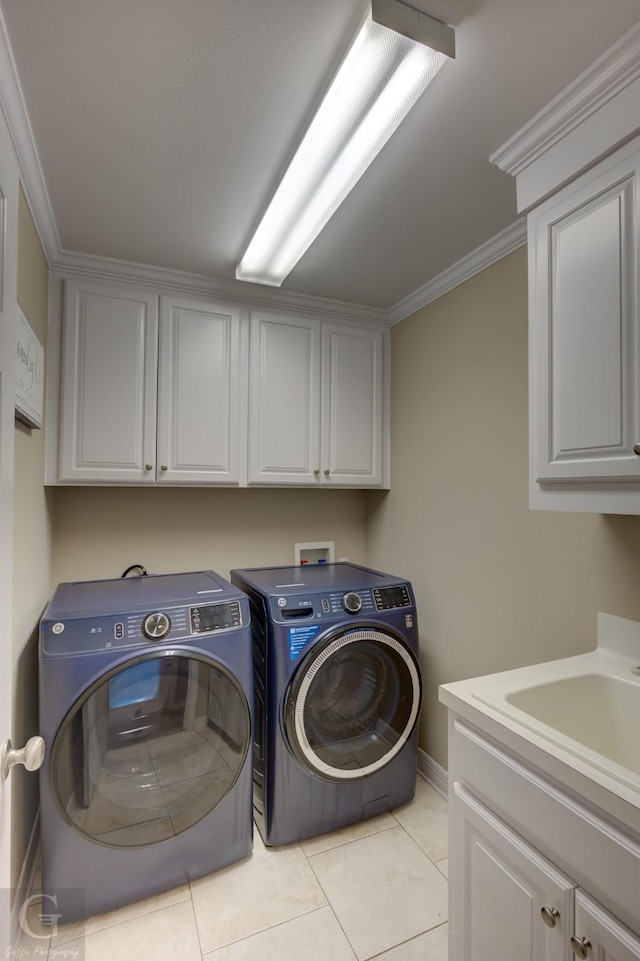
337 696
145 707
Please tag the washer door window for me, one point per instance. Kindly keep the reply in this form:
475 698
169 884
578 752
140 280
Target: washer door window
353 704
150 749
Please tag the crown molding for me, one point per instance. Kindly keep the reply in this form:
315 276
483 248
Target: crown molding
484 256
33 182
183 282
618 67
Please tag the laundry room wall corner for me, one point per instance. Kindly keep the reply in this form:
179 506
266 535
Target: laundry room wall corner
497 585
32 558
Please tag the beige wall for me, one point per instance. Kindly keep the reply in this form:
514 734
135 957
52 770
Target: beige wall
32 548
99 532
497 585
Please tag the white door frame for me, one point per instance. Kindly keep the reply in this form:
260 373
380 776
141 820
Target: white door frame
9 192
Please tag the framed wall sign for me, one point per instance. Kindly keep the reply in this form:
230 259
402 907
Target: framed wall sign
29 374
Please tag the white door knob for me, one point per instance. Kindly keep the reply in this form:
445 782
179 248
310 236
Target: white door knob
31 755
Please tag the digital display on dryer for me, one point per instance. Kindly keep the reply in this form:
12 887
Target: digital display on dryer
215 617
387 598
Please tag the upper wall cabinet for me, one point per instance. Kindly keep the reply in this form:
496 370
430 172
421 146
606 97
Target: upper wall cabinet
577 169
146 398
584 327
161 389
109 385
201 435
316 403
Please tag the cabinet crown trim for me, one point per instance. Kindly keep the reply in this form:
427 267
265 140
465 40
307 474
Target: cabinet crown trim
618 67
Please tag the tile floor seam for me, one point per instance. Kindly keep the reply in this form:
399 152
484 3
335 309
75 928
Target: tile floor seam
272 927
118 924
346 843
195 922
381 954
330 905
267 927
420 852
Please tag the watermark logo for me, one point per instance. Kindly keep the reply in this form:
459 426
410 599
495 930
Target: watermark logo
48 921
39 935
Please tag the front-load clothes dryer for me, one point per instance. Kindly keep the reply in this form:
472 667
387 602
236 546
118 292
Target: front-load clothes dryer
337 696
145 706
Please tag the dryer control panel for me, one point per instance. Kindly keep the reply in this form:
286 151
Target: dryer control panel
87 634
215 617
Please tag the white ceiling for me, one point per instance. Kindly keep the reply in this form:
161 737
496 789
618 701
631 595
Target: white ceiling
162 127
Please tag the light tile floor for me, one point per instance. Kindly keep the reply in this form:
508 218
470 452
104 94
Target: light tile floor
376 889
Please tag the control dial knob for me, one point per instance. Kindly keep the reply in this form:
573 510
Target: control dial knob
156 626
352 602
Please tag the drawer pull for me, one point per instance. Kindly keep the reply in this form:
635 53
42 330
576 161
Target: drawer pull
550 916
580 947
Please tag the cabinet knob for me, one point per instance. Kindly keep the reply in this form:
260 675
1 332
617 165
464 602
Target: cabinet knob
316 471
327 472
580 947
550 916
163 467
148 466
636 449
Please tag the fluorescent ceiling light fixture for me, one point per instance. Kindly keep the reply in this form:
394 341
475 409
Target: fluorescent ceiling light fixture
384 72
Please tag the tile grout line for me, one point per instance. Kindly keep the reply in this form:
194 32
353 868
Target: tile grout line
338 922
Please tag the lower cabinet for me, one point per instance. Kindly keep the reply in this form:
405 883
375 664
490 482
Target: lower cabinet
533 873
598 935
509 901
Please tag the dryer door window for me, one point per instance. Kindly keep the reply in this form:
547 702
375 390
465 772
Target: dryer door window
353 704
150 749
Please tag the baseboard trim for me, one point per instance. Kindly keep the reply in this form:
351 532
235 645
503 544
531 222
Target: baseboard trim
433 773
25 882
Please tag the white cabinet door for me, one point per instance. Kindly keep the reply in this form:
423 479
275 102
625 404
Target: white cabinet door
501 891
108 422
600 935
284 400
352 399
584 327
200 433
316 403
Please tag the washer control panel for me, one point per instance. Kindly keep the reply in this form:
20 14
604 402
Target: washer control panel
389 598
362 602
